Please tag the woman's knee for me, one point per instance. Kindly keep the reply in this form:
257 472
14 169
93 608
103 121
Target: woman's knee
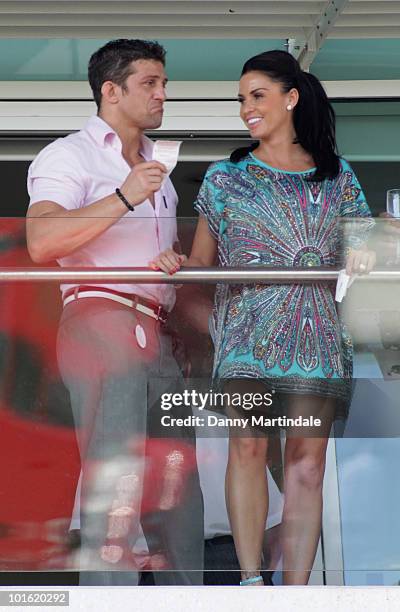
307 469
244 451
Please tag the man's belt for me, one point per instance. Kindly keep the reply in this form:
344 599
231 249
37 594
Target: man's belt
156 311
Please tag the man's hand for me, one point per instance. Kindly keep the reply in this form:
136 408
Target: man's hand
143 180
168 261
360 261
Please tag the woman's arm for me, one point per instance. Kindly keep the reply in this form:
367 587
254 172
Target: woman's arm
202 255
357 225
204 248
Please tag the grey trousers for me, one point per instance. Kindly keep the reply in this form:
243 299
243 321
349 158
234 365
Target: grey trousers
115 385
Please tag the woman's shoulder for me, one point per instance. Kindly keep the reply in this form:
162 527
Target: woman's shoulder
221 166
345 165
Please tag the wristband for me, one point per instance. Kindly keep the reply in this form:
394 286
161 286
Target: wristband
124 200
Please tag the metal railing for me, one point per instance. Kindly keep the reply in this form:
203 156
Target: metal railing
253 274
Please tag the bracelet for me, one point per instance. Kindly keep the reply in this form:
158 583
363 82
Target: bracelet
124 200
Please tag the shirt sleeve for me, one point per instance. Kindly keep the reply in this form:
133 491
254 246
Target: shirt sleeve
208 204
55 175
357 221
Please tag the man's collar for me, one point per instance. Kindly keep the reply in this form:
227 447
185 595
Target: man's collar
104 135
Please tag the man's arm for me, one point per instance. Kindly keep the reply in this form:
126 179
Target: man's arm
54 232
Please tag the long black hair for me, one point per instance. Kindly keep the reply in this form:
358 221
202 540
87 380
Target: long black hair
313 115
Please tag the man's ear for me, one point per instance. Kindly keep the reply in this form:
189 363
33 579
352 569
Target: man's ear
110 92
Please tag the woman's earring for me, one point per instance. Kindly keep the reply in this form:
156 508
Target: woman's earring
289 107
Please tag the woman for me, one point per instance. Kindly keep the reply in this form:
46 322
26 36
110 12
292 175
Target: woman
277 203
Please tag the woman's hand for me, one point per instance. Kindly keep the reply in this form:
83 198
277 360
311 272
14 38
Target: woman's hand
168 261
391 225
360 261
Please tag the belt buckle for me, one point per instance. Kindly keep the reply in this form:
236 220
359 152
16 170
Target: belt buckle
160 315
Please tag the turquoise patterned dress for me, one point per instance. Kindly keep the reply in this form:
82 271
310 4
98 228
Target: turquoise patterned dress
289 335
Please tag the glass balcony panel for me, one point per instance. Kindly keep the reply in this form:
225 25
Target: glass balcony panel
40 485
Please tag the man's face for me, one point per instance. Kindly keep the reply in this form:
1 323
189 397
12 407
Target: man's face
143 95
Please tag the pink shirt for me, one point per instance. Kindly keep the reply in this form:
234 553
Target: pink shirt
86 166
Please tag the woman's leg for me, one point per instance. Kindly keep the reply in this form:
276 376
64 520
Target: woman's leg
304 473
246 490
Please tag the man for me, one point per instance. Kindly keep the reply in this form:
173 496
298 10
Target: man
98 199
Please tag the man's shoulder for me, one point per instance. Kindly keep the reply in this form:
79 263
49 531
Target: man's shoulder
67 148
71 142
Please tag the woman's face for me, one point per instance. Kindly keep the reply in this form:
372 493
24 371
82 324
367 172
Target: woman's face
263 106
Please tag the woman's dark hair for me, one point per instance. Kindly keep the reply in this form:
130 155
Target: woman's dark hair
112 62
313 115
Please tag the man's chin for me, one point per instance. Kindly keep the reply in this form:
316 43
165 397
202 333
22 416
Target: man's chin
153 122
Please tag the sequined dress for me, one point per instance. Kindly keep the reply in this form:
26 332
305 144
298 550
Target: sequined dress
287 334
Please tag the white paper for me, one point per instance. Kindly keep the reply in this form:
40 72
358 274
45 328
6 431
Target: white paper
344 281
166 152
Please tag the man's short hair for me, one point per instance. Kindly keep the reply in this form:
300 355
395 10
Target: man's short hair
112 62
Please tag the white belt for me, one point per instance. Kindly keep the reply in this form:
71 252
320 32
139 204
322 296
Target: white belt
116 298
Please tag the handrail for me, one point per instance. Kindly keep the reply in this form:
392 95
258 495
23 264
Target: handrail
250 274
